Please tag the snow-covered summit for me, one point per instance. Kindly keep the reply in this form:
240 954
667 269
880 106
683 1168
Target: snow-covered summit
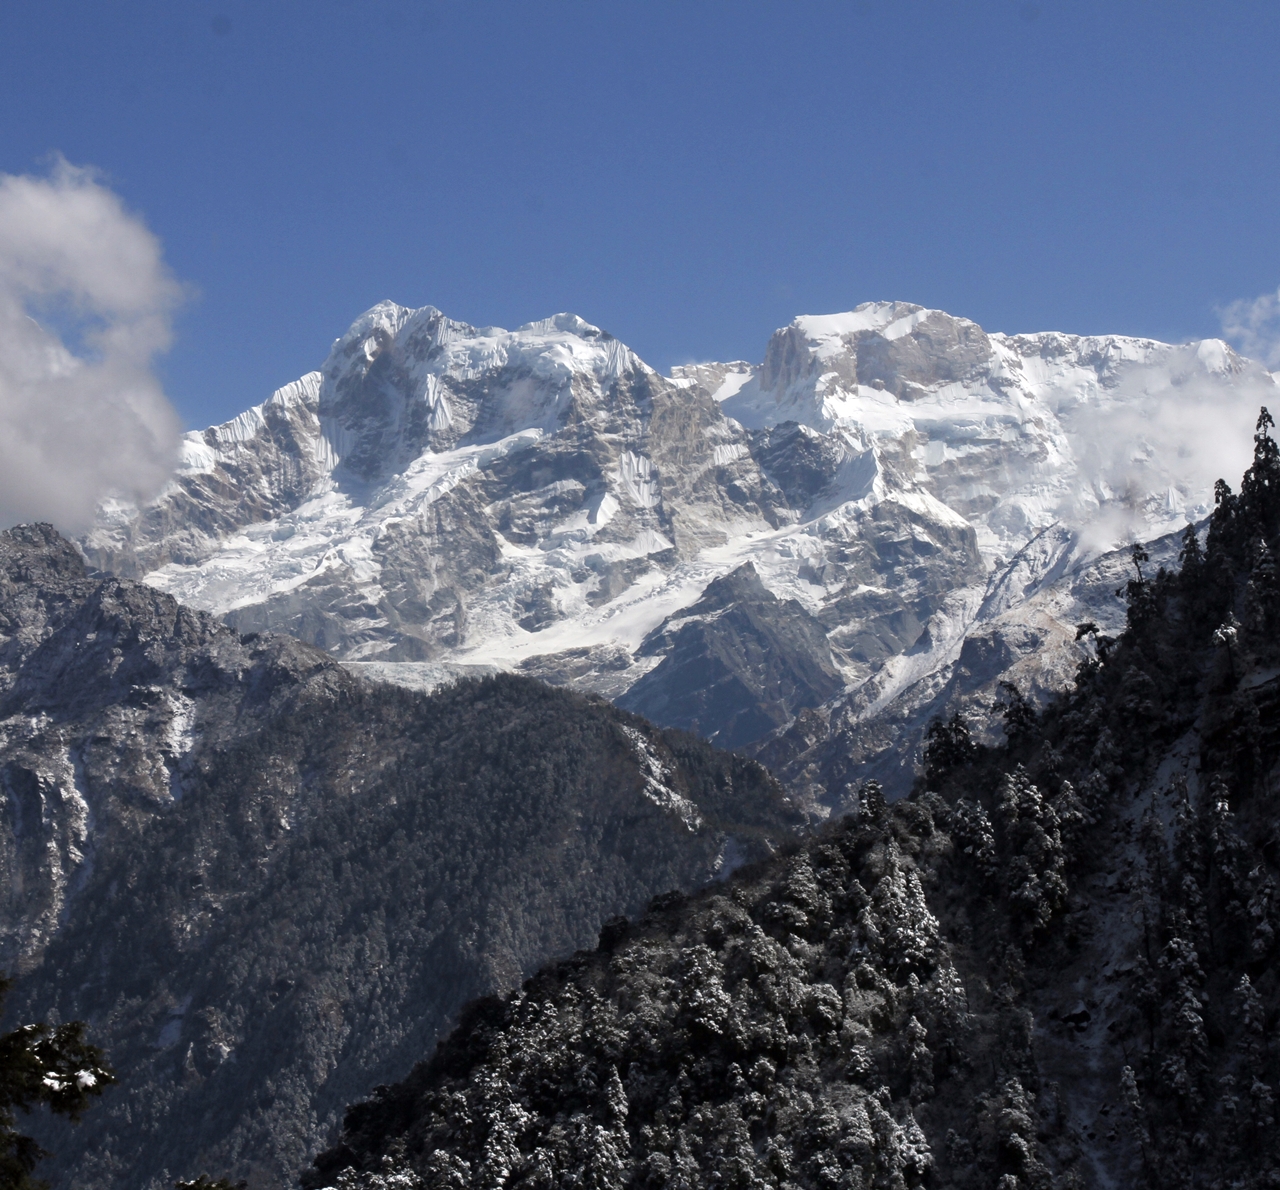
439 497
1016 431
401 382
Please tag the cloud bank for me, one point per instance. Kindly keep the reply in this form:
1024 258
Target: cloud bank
82 415
1150 454
1253 325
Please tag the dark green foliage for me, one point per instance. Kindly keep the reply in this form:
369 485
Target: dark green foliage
871 801
203 1183
1259 504
1173 880
1139 593
40 1065
1018 714
783 1028
947 745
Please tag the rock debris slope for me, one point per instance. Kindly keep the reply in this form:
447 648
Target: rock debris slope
441 498
267 884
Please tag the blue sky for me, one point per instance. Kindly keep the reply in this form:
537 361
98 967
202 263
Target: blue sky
687 175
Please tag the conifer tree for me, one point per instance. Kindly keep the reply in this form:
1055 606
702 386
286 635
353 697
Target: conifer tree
1262 595
40 1064
1017 712
1260 487
947 745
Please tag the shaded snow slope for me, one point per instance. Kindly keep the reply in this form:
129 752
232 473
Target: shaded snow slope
441 498
1019 627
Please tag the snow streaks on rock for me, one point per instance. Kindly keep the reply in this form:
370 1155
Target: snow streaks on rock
442 499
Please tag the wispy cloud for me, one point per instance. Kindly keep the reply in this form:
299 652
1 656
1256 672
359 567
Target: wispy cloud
1150 453
1252 325
86 304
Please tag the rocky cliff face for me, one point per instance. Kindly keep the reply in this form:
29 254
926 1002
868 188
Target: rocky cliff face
442 499
1021 627
268 885
735 665
1054 964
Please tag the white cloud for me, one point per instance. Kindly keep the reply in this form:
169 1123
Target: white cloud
1149 455
85 420
1253 325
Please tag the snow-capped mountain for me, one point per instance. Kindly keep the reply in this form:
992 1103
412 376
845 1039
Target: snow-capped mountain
441 498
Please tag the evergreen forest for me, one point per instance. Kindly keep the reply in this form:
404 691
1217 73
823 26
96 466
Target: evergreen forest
1053 965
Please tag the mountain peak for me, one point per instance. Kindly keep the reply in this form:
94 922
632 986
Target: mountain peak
869 316
466 499
567 323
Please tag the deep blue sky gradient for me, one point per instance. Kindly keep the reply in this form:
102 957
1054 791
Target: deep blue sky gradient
687 175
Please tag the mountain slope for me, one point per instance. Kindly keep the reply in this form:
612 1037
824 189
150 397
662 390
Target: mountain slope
1053 965
1020 628
268 884
736 664
442 499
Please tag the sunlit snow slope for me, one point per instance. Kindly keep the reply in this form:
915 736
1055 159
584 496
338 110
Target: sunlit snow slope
440 497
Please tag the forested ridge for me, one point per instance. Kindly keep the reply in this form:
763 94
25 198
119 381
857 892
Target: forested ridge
266 884
1052 965
240 986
